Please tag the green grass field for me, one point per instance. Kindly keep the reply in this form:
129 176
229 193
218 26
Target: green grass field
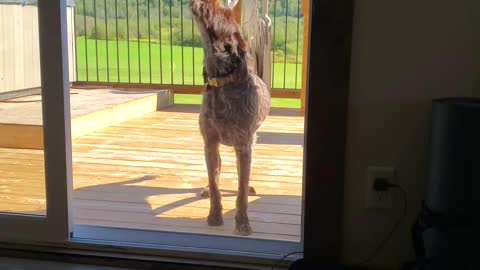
173 65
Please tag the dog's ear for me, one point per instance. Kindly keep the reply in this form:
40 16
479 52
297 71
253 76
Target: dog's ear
242 45
204 10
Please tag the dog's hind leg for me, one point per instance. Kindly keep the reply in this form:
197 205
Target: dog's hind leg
251 190
212 159
206 191
244 160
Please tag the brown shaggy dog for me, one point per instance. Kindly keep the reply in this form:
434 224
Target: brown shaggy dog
235 103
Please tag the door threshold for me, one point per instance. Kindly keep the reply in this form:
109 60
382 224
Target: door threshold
198 247
141 249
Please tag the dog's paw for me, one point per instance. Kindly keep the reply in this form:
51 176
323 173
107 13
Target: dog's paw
205 193
242 226
251 191
243 229
215 219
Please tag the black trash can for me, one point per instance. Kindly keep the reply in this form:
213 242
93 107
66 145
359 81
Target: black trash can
447 231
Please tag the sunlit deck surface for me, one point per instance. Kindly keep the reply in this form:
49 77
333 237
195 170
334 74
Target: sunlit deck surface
146 173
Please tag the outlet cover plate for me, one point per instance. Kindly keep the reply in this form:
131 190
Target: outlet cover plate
379 199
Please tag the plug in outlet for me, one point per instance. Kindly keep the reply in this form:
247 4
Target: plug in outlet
379 199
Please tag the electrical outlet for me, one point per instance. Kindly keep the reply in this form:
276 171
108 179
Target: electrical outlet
379 199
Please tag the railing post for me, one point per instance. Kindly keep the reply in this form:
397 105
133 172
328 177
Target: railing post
237 12
306 19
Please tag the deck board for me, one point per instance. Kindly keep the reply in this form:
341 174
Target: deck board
146 173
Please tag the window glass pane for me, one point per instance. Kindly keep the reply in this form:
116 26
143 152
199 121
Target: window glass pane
22 180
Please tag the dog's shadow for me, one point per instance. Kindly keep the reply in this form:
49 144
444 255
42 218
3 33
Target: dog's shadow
139 203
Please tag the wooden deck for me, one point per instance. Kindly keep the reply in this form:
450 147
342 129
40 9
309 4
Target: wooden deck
146 173
21 120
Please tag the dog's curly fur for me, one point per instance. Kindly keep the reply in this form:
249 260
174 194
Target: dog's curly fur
230 114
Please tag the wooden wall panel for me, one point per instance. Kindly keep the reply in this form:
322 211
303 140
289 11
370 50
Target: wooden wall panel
28 66
8 56
19 47
2 50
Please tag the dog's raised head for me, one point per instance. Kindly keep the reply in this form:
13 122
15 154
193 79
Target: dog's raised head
224 47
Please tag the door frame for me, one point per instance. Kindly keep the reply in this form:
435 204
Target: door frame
328 82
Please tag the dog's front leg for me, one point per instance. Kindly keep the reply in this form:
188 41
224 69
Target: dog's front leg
244 160
212 159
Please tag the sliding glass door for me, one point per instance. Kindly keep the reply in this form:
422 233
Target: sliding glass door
34 122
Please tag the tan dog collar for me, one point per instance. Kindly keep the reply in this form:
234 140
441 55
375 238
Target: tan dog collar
222 81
